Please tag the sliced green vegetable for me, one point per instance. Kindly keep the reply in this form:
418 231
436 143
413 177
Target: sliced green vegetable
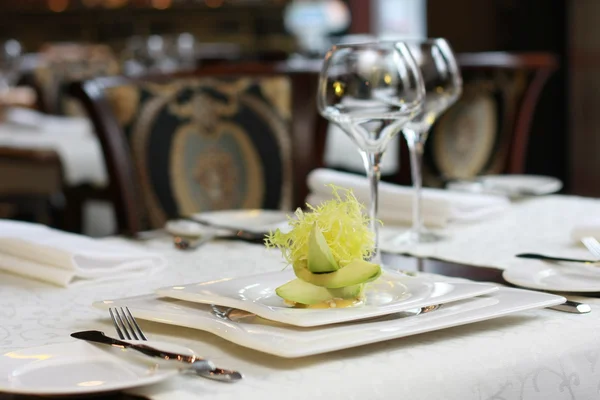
320 259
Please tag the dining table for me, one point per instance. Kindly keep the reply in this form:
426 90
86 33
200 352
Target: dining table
534 354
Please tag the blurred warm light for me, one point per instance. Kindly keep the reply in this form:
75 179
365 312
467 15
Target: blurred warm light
338 88
115 3
161 4
214 3
58 5
91 3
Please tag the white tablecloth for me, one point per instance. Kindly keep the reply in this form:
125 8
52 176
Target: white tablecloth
542 354
536 225
72 138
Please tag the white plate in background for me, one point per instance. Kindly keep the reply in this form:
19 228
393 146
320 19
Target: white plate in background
510 185
556 277
258 221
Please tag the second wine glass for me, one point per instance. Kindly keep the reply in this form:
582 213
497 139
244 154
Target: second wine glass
443 86
371 90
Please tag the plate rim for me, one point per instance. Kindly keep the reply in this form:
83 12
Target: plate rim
508 275
45 391
238 336
555 184
268 313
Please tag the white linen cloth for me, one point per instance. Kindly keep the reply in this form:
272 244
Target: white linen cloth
63 259
533 355
439 207
72 138
589 228
535 225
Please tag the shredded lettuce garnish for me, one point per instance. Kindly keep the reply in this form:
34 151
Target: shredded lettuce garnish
343 223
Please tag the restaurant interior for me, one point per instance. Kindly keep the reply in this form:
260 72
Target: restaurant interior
427 170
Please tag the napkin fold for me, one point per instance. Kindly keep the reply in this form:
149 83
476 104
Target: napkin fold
395 202
585 229
64 259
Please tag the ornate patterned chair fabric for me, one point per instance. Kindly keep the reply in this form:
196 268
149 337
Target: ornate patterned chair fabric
201 144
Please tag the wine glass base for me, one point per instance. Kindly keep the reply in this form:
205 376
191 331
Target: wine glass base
417 237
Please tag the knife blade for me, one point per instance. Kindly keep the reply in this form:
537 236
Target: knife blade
550 258
100 337
573 307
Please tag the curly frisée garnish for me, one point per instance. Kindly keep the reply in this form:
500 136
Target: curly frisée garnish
342 223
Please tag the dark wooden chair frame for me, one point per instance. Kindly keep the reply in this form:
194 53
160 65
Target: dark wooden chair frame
541 66
308 136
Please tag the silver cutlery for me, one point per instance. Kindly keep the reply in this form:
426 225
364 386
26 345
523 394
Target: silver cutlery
573 307
124 324
592 245
236 234
100 337
543 257
234 315
183 243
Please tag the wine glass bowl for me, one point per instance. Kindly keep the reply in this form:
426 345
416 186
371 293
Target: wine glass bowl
443 86
371 90
442 80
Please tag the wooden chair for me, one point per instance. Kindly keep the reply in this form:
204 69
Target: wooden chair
58 65
487 130
212 139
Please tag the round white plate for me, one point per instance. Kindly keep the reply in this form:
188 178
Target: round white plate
258 221
76 368
521 184
556 277
182 227
511 185
391 293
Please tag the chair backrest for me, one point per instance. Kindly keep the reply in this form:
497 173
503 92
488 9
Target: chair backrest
62 63
195 142
487 130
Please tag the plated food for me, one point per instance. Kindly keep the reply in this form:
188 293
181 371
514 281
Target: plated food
327 247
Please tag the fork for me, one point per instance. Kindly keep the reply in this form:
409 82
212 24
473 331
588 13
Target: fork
128 329
592 245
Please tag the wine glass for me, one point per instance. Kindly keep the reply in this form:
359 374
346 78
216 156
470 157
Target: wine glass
443 86
371 90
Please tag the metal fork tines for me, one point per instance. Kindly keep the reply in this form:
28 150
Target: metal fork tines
592 245
125 324
128 329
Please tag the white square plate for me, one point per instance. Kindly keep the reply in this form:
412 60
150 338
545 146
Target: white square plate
391 293
289 341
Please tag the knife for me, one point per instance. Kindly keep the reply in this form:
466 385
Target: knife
549 258
99 337
573 307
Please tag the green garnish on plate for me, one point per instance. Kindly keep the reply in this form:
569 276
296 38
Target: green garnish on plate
327 246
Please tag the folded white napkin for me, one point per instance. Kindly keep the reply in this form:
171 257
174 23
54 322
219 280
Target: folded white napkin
64 259
395 202
585 229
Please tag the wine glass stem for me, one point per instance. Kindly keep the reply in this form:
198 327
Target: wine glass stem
372 163
415 148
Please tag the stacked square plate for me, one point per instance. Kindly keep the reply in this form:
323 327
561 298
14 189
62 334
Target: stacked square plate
247 311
